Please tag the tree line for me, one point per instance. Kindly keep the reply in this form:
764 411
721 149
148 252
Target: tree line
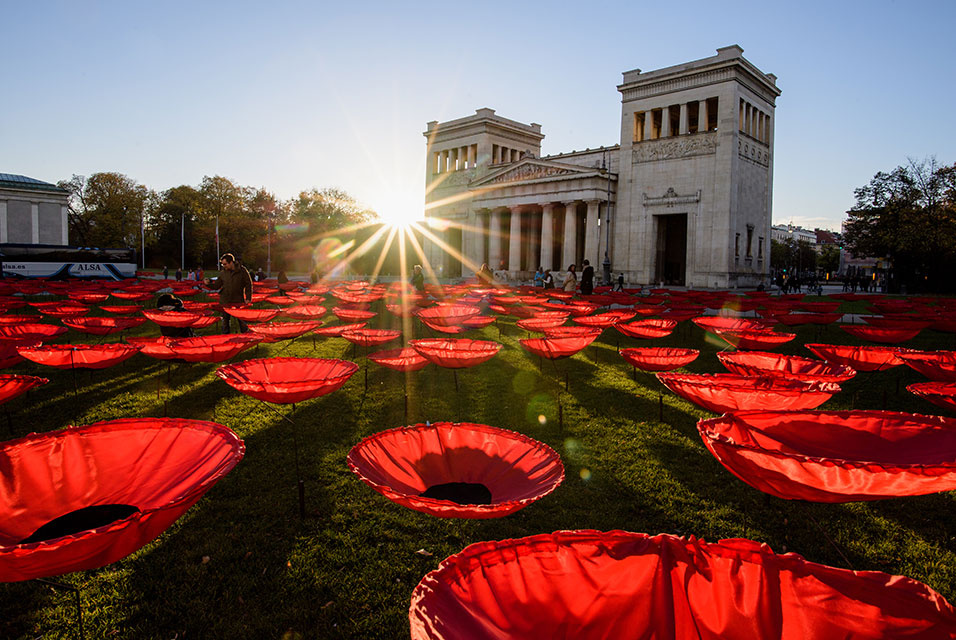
908 216
315 230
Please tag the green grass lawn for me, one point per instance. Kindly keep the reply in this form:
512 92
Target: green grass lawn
242 564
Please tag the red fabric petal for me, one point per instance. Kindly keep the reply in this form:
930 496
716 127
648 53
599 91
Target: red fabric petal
721 392
287 380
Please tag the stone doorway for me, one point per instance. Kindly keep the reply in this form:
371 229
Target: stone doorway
671 264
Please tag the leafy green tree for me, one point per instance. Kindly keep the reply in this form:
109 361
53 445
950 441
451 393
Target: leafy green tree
175 208
909 216
106 209
829 260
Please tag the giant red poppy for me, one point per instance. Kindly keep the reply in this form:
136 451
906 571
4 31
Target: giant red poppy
659 358
758 340
647 329
757 363
132 296
370 337
88 297
721 392
353 314
942 394
446 315
247 314
457 470
712 323
305 312
404 359
883 335
31 331
64 310
79 356
287 380
939 366
12 386
178 319
338 330
859 358
798 319
456 353
592 585
218 348
477 322
10 319
602 321
566 332
84 497
554 348
450 329
122 308
836 456
275 331
897 322
102 326
540 324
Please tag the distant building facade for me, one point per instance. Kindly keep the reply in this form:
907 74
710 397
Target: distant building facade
683 199
32 211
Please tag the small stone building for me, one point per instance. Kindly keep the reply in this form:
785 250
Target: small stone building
32 212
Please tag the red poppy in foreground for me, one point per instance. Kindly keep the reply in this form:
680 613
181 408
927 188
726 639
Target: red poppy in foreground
763 363
446 315
942 394
457 470
722 392
336 331
8 350
31 331
859 358
12 386
287 380
457 353
835 456
251 315
217 348
595 585
79 356
177 319
370 337
647 329
84 497
659 358
939 366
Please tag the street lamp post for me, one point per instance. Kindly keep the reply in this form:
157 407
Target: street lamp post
182 241
607 220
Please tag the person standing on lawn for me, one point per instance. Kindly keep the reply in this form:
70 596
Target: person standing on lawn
235 287
587 279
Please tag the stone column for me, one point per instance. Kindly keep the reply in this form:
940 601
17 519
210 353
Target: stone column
494 239
684 124
547 235
665 122
591 238
35 221
701 116
648 131
570 234
514 250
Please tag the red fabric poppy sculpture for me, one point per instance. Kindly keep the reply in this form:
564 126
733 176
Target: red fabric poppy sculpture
457 470
456 353
835 456
721 392
79 356
765 363
12 386
659 358
594 585
287 380
942 394
554 348
939 366
84 497
858 358
101 326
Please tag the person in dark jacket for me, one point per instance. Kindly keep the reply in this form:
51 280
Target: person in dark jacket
587 279
235 288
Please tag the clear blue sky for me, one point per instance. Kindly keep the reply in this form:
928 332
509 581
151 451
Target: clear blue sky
294 95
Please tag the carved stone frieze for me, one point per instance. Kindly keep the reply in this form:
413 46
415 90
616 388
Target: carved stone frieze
530 172
671 148
670 199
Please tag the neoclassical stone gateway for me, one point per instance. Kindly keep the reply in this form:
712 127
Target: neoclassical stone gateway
684 199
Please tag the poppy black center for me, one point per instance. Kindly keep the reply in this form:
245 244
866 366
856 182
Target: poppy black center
80 520
460 492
